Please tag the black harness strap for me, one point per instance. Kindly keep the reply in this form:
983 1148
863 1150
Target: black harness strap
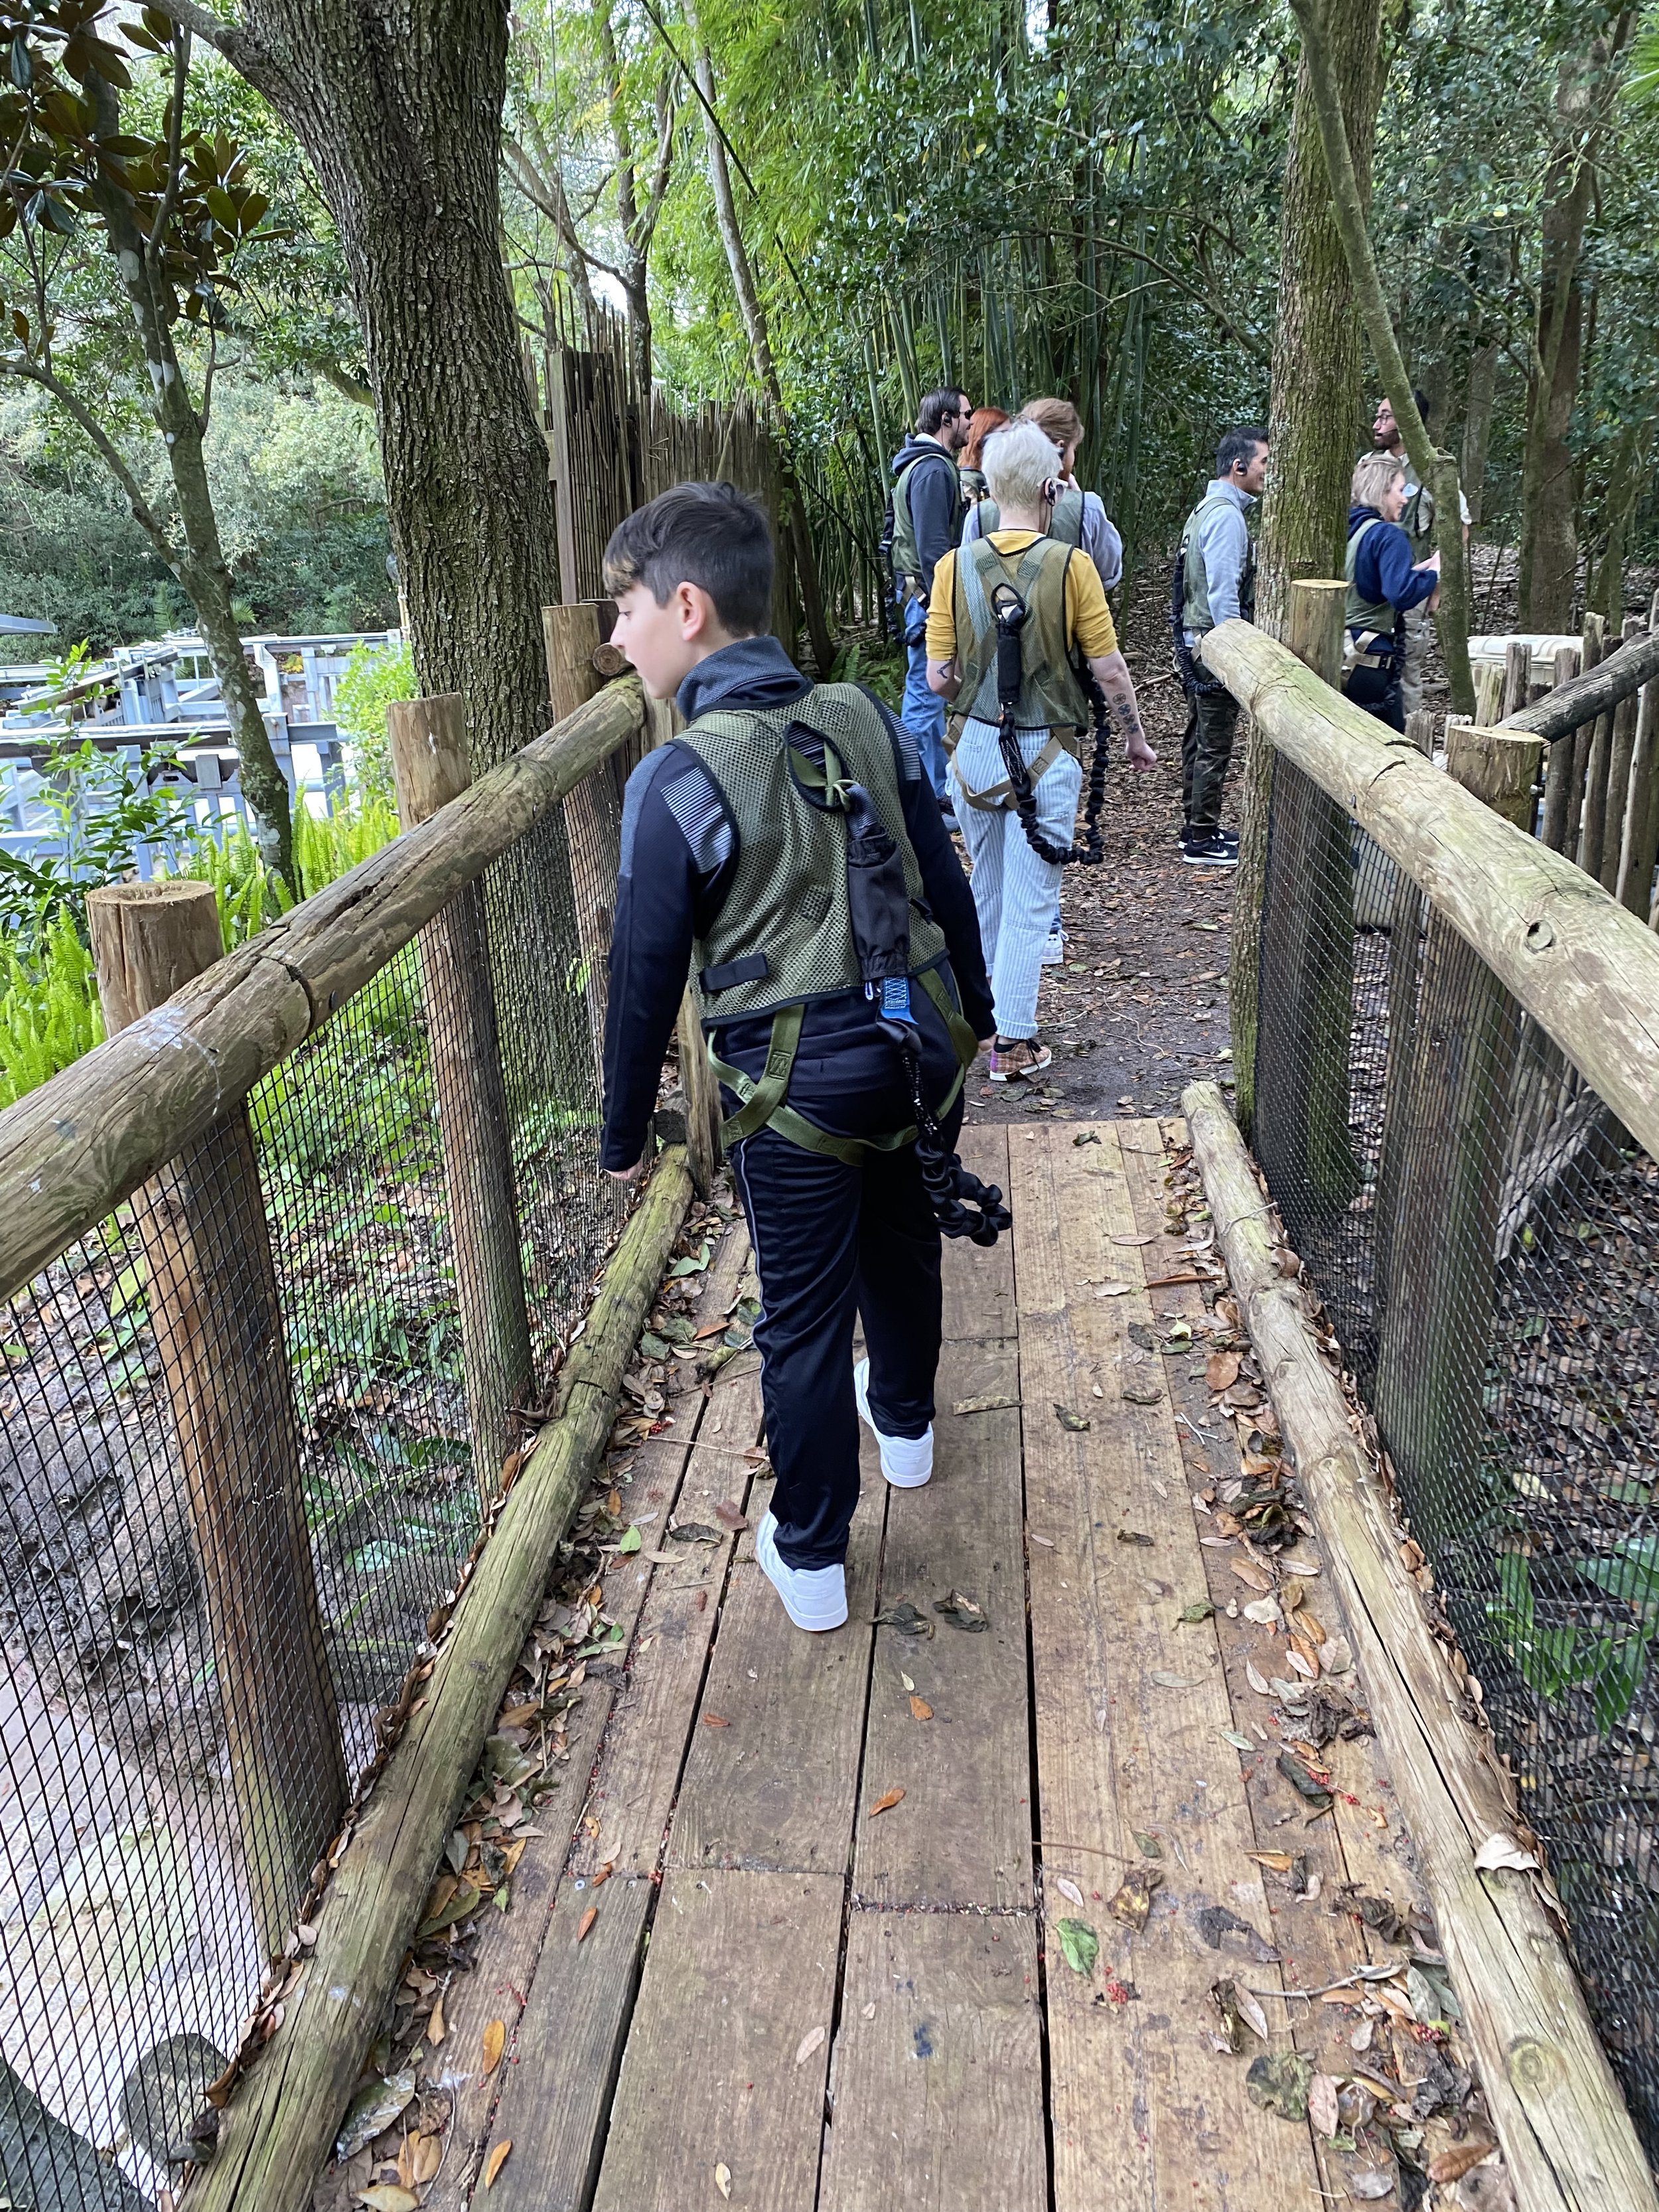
1009 612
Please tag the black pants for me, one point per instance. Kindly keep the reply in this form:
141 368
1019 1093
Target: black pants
830 1241
1207 747
1378 691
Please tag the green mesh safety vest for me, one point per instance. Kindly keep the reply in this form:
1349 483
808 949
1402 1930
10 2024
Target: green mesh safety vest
1195 608
1365 614
973 486
1064 524
784 935
906 560
1050 696
1417 519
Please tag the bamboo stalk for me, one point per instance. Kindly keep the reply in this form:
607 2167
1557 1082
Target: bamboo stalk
70 1152
1566 2135
1577 960
276 2134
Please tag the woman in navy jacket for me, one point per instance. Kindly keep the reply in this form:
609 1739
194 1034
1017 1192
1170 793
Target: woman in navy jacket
1384 583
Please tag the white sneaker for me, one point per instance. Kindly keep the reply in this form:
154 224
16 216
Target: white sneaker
1054 948
907 1461
815 1598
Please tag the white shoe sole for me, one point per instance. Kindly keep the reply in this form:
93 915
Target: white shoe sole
815 1598
905 1480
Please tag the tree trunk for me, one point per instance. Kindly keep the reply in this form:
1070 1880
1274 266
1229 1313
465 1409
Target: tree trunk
201 569
1315 427
403 126
1477 427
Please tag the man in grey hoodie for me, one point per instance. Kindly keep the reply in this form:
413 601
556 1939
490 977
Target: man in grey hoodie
926 505
1217 563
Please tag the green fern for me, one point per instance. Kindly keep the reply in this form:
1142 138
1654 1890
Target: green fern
49 1013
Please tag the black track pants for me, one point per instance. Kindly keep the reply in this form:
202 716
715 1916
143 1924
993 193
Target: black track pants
830 1241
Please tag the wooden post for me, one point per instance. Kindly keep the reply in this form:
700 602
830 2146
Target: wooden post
1489 686
1450 1142
594 810
1640 843
1558 788
1405 944
1616 805
431 765
1589 745
1517 674
218 1327
1304 1025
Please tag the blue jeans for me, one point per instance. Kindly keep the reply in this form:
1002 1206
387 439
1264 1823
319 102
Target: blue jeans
1016 894
923 711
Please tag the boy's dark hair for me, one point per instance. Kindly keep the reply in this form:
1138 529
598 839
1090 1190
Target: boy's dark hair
1238 445
937 408
1422 399
711 535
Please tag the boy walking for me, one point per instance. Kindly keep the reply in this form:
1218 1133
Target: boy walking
734 858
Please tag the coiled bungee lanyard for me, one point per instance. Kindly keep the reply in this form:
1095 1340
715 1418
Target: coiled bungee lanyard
1091 850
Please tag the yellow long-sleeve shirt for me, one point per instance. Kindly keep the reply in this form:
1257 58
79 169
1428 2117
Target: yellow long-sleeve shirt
1088 617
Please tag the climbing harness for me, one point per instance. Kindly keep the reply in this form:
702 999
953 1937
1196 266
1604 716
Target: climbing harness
867 915
1009 610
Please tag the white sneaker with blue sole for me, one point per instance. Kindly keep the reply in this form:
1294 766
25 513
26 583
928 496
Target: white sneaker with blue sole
815 1598
907 1461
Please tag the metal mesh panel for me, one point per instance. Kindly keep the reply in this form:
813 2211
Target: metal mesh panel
247 1425
1485 1236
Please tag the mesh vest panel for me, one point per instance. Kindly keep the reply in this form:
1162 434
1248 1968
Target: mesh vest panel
1365 614
788 899
1050 696
1195 608
906 560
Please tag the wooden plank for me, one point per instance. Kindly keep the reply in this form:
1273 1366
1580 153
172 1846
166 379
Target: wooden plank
1143 2109
775 1787
937 2095
955 1840
979 1284
741 1971
557 2081
645 1748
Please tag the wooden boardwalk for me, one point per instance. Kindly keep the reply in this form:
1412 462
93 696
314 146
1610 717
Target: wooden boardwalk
782 1996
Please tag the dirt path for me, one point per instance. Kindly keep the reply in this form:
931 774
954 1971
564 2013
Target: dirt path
1139 1009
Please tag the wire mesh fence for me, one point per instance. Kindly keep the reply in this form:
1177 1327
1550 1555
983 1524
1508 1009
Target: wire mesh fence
1485 1236
249 1425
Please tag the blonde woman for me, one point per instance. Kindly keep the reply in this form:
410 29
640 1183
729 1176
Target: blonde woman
1384 584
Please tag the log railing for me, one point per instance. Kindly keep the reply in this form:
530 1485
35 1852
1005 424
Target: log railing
1455 1108
177 1247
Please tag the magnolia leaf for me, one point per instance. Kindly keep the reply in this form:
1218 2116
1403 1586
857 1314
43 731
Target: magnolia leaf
1501 1851
495 2162
1079 1945
1069 1890
808 2044
494 2042
723 2180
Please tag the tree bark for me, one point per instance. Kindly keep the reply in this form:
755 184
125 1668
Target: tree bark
1438 471
1549 545
1477 427
1314 427
400 111
201 567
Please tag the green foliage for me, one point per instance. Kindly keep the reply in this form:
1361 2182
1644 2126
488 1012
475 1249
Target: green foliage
1608 1662
325 847
48 1006
104 810
376 676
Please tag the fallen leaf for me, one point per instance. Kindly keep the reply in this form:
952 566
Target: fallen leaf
919 1708
390 2196
1151 1239
1462 2157
1501 1850
1334 1656
1238 1742
730 1516
1079 1945
1371 2184
1190 1615
1248 1571
1264 1611
1302 1782
908 1683
1086 1137
425 2155
1278 2082
1069 1890
1113 1290
1251 2010
495 2162
1275 1862
1303 1666
906 1619
372 2111
1223 1996
1221 1369
1135 1536
494 2042
436 2027
693 1532
1256 1680
1148 1845
586 1922
996 1402
604 1874
962 1612
631 1542
715 1720
808 2044
884 1803
1321 2103
1133 1899
1167 1681
723 2180
1068 1419
1142 1394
